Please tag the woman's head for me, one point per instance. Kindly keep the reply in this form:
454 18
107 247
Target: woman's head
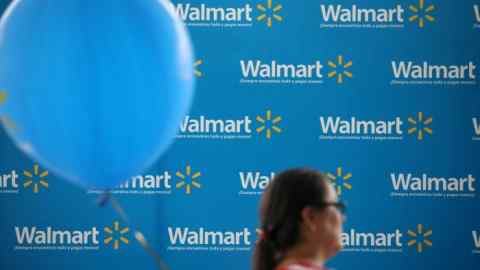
298 209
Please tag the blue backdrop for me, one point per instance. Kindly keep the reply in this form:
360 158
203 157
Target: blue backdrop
381 95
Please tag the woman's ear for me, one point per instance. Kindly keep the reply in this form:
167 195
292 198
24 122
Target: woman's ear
308 219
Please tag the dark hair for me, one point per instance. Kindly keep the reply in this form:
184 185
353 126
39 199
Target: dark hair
280 213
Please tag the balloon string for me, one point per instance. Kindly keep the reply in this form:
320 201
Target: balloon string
116 206
107 197
148 248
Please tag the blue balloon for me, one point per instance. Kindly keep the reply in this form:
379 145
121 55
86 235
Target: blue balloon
94 90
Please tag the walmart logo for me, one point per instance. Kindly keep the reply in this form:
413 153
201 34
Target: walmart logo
333 128
203 15
340 180
363 241
421 13
340 69
334 16
238 16
203 127
476 128
254 182
50 238
34 179
355 16
159 183
256 71
353 128
267 125
269 13
116 235
420 126
410 72
188 180
356 241
207 239
406 184
420 238
184 180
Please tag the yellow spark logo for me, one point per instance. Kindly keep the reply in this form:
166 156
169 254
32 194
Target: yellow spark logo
416 125
116 235
5 120
188 180
269 124
420 238
269 13
421 13
340 180
30 181
340 64
196 71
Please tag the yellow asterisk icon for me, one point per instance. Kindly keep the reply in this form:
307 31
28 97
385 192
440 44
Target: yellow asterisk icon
36 184
197 72
184 178
117 234
268 124
421 13
420 130
420 238
335 179
269 10
339 74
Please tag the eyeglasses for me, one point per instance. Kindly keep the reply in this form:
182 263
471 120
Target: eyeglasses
340 206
